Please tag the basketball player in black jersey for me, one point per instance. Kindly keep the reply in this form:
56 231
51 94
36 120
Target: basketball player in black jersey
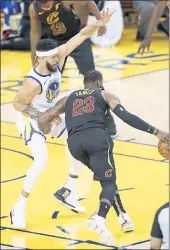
125 221
60 22
89 142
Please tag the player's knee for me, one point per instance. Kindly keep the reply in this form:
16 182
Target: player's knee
108 190
41 159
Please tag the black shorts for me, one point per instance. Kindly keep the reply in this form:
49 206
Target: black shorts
93 147
83 57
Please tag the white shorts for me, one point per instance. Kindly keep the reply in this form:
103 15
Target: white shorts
27 127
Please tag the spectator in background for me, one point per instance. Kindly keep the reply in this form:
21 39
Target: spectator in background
160 229
8 8
158 11
145 10
22 40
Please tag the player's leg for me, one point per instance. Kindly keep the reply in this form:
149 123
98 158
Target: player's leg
37 146
83 57
67 194
145 10
74 174
104 171
123 217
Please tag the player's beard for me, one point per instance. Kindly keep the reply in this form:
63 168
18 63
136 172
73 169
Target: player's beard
51 68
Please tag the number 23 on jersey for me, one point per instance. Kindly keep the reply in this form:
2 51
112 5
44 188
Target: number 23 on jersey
81 106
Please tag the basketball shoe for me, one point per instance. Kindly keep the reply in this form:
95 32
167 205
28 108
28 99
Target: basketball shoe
97 224
68 198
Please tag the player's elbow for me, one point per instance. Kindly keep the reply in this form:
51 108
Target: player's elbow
16 104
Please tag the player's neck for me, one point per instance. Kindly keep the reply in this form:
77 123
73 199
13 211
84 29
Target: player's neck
89 86
47 5
42 70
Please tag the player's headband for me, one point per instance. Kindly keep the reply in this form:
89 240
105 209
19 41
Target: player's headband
47 53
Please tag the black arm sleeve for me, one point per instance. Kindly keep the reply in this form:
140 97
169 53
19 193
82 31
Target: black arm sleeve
156 230
132 120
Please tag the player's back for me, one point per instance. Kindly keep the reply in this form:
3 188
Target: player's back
85 109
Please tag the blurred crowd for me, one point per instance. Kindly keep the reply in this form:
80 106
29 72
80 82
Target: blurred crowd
15 30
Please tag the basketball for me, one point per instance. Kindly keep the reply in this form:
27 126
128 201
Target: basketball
163 149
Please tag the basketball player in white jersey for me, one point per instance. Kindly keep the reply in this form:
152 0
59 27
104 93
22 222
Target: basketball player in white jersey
38 93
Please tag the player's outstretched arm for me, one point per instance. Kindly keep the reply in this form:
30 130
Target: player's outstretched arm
50 114
132 120
85 33
158 11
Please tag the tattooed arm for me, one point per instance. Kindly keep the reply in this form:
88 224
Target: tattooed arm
32 112
53 113
25 95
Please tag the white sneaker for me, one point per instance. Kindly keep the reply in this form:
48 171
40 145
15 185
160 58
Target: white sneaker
68 199
97 224
17 216
126 222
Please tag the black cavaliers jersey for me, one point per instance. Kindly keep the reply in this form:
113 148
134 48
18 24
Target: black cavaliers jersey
61 22
85 108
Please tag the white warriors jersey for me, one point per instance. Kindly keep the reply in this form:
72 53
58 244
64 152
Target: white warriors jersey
50 87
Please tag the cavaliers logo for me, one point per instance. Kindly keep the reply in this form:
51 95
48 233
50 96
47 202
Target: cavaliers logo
53 18
108 173
52 91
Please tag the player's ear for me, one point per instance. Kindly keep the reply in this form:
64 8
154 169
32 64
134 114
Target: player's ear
99 84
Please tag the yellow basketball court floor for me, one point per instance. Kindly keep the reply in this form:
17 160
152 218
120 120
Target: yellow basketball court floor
141 83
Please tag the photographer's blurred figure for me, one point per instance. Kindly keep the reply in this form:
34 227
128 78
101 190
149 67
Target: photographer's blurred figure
160 229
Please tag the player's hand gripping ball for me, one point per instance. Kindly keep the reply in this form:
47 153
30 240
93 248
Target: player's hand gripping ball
163 148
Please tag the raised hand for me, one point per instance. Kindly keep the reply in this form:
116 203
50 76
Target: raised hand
105 17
